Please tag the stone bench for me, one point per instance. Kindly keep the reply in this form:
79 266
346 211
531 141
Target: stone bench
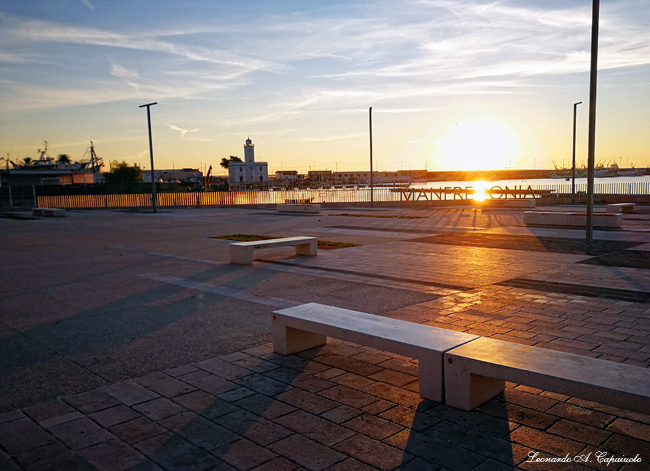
241 253
49 212
298 208
557 218
476 372
306 326
619 208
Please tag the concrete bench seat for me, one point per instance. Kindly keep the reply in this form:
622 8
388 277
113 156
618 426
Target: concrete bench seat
49 212
619 208
298 208
306 326
558 218
241 253
476 372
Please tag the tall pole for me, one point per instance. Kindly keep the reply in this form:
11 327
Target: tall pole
591 157
153 182
573 171
372 196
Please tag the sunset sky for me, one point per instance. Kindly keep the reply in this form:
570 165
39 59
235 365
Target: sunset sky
454 84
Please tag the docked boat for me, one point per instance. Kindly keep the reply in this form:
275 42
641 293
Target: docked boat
46 170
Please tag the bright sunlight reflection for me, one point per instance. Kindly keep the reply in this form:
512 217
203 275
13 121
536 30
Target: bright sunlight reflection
480 188
479 143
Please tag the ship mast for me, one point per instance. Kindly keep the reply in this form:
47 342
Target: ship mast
93 157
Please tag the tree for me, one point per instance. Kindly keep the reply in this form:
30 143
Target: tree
64 159
225 162
27 161
121 172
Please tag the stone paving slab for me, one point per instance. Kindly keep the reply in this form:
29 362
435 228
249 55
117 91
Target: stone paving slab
160 375
451 267
293 424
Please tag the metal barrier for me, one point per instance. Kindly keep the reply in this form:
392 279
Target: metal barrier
233 198
334 195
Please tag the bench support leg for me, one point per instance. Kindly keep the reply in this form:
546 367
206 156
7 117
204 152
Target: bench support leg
241 255
466 391
287 340
310 248
431 377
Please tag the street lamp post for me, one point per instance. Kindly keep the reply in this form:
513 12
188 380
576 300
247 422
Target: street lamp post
153 182
591 159
573 171
372 197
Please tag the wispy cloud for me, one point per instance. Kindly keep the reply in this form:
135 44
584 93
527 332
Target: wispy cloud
122 72
14 57
425 48
184 132
45 31
469 39
88 4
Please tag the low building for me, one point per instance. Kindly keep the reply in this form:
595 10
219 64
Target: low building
353 178
286 175
320 177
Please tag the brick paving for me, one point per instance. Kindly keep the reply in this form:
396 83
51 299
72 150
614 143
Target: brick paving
350 407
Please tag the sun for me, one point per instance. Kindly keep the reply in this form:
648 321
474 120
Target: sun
479 143
480 189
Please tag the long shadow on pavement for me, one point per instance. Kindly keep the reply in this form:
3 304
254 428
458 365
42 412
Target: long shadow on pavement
458 440
231 415
80 341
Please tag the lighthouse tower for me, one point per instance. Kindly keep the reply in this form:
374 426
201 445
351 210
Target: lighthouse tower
249 152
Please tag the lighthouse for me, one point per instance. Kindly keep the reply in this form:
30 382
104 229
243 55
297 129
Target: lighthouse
248 174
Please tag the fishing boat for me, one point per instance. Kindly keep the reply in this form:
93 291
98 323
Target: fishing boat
46 170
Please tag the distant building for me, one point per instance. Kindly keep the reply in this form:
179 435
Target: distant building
352 178
284 175
319 176
182 175
248 173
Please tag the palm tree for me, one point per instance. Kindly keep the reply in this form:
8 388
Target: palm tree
27 161
225 162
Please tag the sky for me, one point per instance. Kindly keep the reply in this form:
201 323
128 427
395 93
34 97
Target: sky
453 84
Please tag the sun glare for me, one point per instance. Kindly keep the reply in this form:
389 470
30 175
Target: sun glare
480 187
479 143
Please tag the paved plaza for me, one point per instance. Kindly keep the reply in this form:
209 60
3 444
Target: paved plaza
128 342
